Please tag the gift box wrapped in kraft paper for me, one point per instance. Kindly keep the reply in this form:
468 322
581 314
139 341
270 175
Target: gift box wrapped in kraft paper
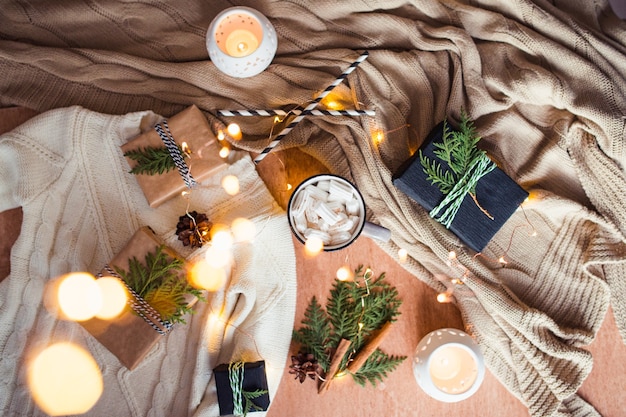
131 335
250 388
198 147
496 193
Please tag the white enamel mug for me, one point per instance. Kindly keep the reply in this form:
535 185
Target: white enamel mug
356 212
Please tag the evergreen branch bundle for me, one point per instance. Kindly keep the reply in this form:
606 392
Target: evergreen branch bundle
466 164
152 160
355 310
159 284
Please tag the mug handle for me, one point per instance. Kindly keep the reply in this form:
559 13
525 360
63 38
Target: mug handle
376 232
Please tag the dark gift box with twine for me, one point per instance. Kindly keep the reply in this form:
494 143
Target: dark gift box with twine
241 387
475 222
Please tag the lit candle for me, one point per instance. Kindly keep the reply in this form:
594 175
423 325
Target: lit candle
448 365
452 369
241 42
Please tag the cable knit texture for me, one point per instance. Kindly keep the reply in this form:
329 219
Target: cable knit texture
545 82
81 206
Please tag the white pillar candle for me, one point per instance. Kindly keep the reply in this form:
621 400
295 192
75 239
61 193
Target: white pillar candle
448 365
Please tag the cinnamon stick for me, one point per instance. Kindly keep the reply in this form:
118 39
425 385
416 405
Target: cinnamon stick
343 347
369 348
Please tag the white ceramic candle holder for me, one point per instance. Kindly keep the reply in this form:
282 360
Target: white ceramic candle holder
448 365
241 42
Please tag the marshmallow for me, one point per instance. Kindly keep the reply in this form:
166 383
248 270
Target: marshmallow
340 191
326 213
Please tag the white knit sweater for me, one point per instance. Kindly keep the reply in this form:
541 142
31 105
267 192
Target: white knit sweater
81 206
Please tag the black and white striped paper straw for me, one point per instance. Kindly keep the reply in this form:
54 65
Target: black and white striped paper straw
296 112
310 107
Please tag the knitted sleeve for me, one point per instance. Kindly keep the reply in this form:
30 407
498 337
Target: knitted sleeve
28 166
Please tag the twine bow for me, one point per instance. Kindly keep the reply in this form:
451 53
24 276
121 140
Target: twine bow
478 168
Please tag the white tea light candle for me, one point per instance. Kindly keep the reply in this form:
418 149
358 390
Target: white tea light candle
448 365
241 42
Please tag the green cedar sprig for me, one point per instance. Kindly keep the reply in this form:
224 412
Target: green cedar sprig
457 149
152 160
158 282
249 397
354 310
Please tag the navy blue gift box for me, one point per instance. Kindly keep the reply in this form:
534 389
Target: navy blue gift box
496 192
254 378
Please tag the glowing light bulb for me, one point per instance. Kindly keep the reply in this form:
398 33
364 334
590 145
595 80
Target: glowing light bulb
220 135
502 260
114 297
402 255
185 148
313 246
289 186
230 183
64 379
444 298
234 131
224 152
344 274
452 255
79 296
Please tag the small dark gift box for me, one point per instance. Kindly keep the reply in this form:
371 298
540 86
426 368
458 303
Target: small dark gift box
496 192
254 379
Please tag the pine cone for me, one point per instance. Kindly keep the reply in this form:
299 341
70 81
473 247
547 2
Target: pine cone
193 232
303 365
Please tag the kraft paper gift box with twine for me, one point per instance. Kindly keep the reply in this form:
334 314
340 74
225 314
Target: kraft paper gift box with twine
130 336
192 128
498 195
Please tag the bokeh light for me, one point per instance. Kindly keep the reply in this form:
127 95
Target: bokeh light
244 230
234 131
344 273
204 276
224 152
313 246
402 255
114 297
79 296
444 298
64 379
230 183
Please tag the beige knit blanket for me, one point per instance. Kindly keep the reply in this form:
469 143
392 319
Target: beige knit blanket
544 80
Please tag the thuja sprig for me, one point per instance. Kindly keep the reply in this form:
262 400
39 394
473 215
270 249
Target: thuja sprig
159 283
354 311
457 149
152 160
